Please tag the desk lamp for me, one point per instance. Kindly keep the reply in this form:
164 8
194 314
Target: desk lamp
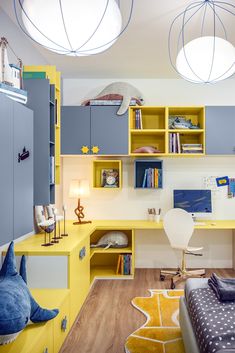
79 188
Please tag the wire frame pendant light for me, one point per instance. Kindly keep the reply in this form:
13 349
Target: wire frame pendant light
198 42
72 27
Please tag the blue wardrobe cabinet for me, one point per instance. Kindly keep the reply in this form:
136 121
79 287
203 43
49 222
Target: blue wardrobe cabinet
16 176
41 99
220 130
93 130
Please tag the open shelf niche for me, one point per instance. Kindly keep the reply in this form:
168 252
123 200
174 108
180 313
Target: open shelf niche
148 174
147 127
102 168
189 142
104 262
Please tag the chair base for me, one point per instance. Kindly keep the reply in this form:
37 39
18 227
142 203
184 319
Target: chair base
180 275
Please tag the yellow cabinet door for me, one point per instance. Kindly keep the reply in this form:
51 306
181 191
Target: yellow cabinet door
79 277
61 325
36 338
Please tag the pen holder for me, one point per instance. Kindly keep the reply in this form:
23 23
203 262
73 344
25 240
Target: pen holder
151 217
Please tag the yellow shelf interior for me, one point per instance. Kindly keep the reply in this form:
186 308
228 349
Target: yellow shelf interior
110 251
99 166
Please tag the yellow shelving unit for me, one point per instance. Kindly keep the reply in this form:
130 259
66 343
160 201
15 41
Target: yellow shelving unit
99 166
55 79
155 129
104 262
153 132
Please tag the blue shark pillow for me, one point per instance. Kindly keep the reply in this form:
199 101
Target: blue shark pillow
17 306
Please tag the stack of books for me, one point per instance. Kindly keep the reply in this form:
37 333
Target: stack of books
174 142
192 148
152 178
124 265
138 119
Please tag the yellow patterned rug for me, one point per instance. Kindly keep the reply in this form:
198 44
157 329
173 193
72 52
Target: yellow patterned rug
161 332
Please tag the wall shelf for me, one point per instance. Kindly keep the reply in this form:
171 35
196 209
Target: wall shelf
149 126
148 174
99 175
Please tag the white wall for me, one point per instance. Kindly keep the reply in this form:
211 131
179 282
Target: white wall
156 91
21 45
152 248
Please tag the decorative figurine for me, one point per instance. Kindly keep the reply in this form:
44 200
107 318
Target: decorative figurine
64 211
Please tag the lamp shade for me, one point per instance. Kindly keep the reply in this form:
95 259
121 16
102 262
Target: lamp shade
206 59
79 188
73 27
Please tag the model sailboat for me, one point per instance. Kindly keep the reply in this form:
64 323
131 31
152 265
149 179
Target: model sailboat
11 75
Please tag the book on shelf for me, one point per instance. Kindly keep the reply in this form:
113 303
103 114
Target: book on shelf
110 178
138 119
174 142
124 266
192 148
152 178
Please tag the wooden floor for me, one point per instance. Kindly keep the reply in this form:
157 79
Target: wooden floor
107 317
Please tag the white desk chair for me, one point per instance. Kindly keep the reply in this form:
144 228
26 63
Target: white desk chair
178 225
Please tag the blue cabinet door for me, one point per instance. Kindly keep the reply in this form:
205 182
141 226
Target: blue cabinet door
75 129
38 101
6 169
23 171
220 130
109 131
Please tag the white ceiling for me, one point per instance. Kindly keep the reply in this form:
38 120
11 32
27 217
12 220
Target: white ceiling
141 52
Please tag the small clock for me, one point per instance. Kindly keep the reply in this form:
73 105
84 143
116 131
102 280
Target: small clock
110 178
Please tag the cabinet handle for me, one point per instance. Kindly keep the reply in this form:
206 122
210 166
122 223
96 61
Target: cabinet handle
95 149
82 253
64 324
85 149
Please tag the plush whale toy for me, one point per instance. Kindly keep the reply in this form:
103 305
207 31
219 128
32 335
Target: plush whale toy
17 306
120 90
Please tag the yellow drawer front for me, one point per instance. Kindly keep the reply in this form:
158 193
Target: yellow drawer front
36 338
61 325
79 277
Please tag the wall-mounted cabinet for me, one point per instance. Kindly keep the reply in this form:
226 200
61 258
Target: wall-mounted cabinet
41 99
151 133
93 130
220 128
16 176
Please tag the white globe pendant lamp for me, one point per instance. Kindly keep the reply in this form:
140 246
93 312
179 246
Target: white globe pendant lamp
71 27
207 58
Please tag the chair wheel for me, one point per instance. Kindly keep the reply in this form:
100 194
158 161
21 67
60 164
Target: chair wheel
172 285
162 278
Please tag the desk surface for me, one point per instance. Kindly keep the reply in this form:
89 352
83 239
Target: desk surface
77 233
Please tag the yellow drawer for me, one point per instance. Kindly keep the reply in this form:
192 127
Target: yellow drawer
61 325
36 338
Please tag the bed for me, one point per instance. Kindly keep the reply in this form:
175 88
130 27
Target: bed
207 325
